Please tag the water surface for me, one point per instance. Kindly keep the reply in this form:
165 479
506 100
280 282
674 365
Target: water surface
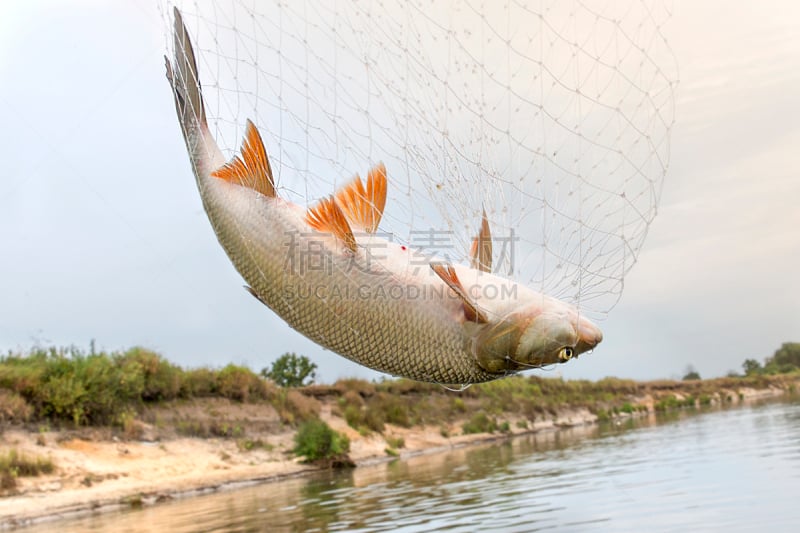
733 470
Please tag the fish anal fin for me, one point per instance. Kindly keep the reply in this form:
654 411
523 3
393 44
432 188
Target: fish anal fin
448 274
481 249
252 169
363 206
327 217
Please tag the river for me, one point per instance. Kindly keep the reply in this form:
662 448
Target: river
734 470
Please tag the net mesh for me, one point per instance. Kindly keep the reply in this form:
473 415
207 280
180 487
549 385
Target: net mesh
553 116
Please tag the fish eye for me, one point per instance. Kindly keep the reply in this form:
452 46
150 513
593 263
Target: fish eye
565 354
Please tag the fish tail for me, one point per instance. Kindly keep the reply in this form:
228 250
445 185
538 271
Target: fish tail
185 81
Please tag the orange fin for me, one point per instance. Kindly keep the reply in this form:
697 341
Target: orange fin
481 250
327 217
363 207
252 168
448 275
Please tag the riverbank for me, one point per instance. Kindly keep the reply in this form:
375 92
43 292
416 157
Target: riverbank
151 459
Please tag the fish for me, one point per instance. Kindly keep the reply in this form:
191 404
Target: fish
330 275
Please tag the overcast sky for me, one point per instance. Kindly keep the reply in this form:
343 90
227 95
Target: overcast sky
102 234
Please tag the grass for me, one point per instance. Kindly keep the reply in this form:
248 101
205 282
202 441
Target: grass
396 442
14 465
248 445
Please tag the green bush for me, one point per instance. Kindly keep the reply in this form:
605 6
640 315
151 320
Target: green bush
85 389
241 384
393 409
161 379
480 423
315 440
199 382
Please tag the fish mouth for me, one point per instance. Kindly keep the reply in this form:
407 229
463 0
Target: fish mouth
589 336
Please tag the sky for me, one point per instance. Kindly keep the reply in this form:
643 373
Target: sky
102 234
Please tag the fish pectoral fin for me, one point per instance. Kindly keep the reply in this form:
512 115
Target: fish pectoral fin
327 217
448 274
481 250
252 291
252 168
363 206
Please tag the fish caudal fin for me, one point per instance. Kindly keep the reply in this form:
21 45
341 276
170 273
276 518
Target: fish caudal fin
448 274
363 206
252 168
182 75
327 217
481 249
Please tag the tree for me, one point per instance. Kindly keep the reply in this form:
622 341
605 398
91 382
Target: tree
751 367
291 370
691 373
785 359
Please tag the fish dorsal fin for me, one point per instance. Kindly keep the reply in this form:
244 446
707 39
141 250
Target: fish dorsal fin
481 250
327 217
448 275
252 168
362 206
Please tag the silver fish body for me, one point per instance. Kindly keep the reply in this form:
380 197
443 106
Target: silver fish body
369 299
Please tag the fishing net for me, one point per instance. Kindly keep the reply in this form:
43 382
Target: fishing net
552 116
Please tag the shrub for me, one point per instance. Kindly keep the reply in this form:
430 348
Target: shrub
240 383
292 406
392 409
77 387
198 382
315 441
480 423
161 379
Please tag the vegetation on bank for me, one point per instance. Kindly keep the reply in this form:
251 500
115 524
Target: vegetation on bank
14 465
316 441
785 360
69 385
73 388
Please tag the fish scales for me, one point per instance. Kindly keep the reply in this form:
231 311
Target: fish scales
390 334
